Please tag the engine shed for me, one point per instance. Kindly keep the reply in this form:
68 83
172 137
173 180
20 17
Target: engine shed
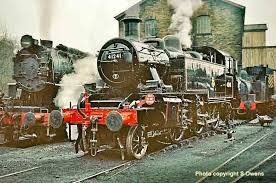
211 25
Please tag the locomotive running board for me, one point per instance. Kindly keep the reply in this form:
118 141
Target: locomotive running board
207 121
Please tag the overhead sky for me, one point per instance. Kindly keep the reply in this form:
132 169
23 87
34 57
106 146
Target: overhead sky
87 24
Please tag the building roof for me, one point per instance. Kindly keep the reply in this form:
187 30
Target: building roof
234 4
255 27
133 11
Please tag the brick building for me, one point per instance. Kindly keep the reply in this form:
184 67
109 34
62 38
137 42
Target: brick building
218 23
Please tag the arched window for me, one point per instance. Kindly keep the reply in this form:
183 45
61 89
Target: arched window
203 25
151 28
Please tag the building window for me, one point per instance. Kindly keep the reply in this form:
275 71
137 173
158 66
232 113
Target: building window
151 28
203 25
131 30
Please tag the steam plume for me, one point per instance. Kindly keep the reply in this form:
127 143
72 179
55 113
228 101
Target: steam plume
46 8
71 84
180 22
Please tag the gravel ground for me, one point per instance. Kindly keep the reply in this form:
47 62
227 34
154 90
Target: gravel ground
59 163
181 165
4 150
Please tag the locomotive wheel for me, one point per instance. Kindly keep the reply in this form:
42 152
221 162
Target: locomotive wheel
199 129
176 134
215 125
136 142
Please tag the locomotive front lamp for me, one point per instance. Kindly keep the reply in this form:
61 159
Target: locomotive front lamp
150 99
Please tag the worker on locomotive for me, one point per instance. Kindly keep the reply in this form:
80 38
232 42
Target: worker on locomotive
248 101
257 91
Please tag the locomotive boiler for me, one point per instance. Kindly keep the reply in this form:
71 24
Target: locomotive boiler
38 69
153 89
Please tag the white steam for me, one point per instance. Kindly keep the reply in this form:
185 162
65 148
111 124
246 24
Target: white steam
72 84
46 8
181 25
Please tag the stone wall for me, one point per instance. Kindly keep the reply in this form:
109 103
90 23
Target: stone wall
158 10
121 29
227 22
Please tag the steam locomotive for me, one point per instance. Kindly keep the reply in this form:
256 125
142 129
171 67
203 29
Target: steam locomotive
153 89
38 69
257 91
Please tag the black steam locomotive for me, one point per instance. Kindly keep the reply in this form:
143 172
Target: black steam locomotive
38 70
153 89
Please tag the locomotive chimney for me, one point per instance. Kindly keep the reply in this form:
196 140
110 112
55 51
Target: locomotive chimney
46 43
132 27
35 42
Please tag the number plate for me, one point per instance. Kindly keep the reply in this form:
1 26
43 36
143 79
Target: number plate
113 56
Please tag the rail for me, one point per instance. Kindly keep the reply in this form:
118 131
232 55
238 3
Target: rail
233 157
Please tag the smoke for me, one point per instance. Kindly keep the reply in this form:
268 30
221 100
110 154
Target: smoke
181 24
46 8
83 30
72 84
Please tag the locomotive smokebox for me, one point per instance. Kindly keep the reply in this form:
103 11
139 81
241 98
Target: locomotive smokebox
125 64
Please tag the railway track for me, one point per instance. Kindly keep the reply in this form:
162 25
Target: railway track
119 168
124 166
20 172
111 171
236 157
104 172
255 167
